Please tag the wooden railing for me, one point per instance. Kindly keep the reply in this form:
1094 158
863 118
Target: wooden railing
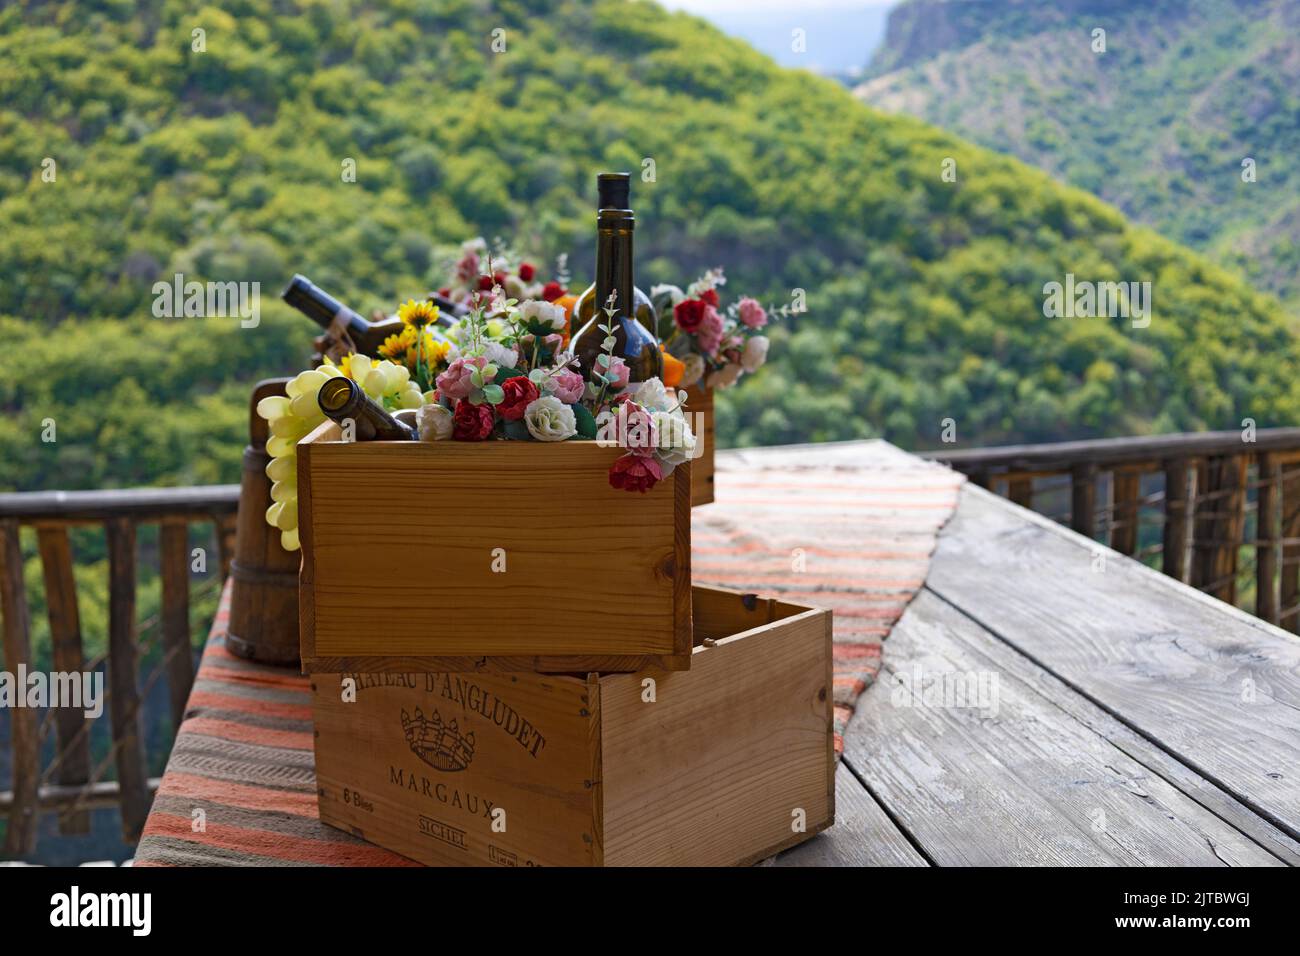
1217 510
69 784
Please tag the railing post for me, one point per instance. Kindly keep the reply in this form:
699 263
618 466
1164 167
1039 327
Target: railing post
1174 556
1266 524
1126 491
1020 489
72 728
1220 513
1083 498
175 562
124 700
1290 617
20 837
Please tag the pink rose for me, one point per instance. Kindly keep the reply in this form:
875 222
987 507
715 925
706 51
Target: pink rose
467 268
709 334
455 382
634 429
752 314
617 373
569 386
635 473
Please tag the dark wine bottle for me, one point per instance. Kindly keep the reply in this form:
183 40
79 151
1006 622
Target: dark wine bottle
366 336
344 400
633 321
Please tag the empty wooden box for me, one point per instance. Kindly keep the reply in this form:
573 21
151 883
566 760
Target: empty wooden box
497 555
726 763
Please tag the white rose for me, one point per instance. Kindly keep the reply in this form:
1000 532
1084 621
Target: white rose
500 355
516 288
434 423
549 419
544 312
694 370
725 376
676 440
755 353
652 395
477 246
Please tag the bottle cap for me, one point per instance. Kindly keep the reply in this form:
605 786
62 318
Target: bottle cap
614 190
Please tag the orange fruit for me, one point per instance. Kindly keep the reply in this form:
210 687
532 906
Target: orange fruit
674 369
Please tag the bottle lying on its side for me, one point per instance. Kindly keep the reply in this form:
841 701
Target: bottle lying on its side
366 336
344 401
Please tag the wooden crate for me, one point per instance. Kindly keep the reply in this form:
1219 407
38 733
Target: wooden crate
488 556
731 762
700 400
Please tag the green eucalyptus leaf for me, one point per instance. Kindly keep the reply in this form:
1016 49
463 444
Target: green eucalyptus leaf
517 431
494 394
585 421
505 373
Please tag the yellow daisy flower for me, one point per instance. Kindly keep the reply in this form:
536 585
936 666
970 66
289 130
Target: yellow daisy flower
418 314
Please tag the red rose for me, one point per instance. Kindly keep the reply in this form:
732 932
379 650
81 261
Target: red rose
635 473
710 297
485 283
471 422
520 392
552 291
526 271
499 278
445 292
689 313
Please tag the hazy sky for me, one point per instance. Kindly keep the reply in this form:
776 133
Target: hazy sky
840 34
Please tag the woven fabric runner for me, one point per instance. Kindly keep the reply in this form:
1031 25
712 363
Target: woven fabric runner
850 527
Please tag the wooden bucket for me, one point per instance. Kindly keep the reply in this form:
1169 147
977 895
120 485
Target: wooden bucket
264 599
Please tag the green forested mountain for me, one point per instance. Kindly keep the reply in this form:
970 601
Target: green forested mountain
1159 123
225 164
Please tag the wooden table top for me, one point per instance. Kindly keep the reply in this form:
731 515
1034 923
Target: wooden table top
1045 700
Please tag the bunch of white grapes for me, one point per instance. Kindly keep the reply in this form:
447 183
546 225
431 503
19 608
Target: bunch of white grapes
295 414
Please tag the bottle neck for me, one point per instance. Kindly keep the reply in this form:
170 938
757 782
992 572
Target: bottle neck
321 307
614 261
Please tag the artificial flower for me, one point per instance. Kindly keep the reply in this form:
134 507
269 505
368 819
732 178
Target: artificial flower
688 314
676 442
549 419
457 382
709 333
635 473
670 292
503 356
751 314
552 291
567 385
724 376
417 314
693 370
519 394
653 396
472 422
710 297
542 315
434 423
527 271
754 353
617 374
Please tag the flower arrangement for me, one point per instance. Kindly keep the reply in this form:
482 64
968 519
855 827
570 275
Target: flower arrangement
711 343
501 372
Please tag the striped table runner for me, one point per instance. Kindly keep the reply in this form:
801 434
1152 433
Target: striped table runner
846 526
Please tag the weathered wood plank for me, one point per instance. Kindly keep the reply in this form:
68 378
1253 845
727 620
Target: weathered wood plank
1020 490
20 834
198 502
1220 513
124 691
1290 588
175 561
1004 775
1050 687
1217 688
863 834
71 728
